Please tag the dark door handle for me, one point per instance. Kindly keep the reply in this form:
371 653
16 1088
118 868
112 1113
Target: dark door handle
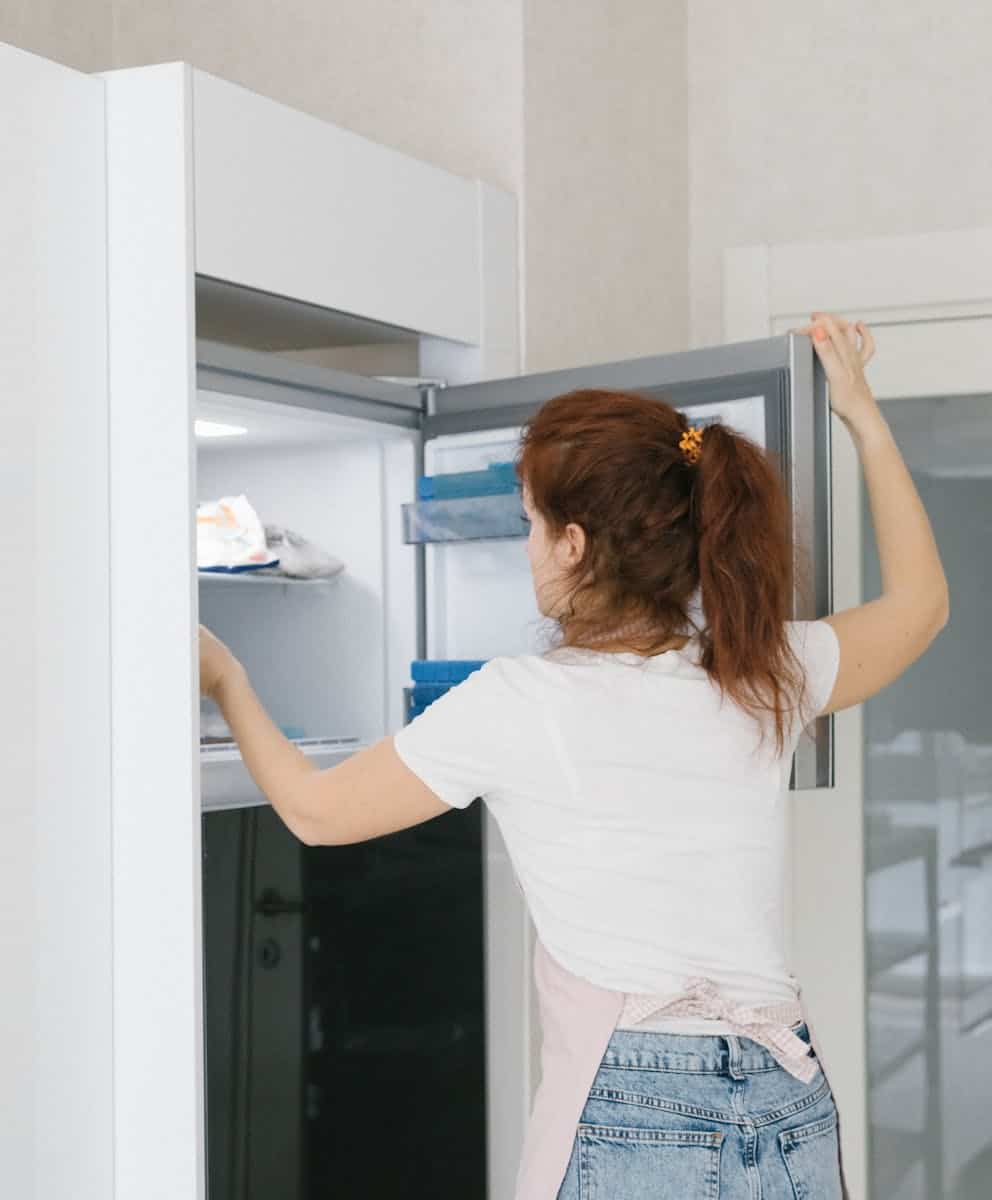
272 904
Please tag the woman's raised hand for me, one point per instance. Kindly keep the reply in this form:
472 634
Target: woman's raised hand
844 348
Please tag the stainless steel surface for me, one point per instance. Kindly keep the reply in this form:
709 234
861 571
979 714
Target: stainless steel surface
637 374
808 464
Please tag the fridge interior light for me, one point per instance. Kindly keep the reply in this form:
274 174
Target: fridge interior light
215 429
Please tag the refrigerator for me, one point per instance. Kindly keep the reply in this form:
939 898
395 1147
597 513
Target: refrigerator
366 1016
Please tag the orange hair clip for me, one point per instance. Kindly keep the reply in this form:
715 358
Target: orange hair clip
691 443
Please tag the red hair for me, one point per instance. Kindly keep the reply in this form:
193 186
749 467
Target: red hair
658 528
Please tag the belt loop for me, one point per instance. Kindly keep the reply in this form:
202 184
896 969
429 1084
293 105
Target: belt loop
734 1057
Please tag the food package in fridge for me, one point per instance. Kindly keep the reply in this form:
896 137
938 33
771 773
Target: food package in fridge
230 537
298 557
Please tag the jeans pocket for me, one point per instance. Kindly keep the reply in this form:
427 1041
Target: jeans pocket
812 1159
639 1164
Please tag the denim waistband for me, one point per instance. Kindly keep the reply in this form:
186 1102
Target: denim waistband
720 1054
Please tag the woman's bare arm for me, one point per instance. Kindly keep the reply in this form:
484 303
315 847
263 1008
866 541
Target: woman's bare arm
881 638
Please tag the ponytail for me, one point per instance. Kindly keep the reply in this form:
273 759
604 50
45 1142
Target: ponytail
743 530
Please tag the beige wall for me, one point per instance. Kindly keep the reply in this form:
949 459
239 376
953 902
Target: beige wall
809 123
605 180
73 32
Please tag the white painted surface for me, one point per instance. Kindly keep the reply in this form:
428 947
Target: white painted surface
933 319
158 1019
914 277
56 1046
296 206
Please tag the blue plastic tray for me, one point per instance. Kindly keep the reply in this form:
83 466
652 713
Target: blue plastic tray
496 479
438 670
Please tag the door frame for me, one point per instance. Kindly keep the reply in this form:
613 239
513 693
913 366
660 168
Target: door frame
928 299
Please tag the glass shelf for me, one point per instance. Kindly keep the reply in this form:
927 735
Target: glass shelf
464 519
253 578
226 783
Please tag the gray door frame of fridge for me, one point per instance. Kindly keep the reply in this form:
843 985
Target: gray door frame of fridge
784 370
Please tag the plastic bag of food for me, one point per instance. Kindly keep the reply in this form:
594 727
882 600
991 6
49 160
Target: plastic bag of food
298 557
230 537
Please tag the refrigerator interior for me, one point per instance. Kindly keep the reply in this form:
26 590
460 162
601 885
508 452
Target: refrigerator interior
480 599
328 658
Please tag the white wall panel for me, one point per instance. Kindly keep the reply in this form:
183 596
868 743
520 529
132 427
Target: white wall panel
56 1045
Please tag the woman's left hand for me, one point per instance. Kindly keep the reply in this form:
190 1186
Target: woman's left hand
217 663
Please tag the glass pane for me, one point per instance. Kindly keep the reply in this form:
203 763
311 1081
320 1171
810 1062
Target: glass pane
928 837
345 1022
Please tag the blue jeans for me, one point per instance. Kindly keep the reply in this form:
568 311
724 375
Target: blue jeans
701 1118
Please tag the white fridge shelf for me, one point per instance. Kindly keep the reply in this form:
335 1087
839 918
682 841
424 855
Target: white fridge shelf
224 778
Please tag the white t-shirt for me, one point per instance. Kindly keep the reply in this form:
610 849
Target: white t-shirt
646 830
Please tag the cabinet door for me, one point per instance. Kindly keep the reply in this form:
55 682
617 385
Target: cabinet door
56 1044
772 390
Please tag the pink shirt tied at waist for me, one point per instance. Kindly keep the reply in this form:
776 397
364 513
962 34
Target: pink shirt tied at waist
577 1019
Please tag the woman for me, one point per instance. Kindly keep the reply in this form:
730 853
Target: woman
639 775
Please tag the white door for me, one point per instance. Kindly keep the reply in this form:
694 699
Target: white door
56 1123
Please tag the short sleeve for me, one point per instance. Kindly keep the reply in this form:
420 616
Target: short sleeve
463 744
819 651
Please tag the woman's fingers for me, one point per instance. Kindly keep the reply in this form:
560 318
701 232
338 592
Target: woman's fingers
826 348
839 321
867 343
848 328
841 341
837 335
839 330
